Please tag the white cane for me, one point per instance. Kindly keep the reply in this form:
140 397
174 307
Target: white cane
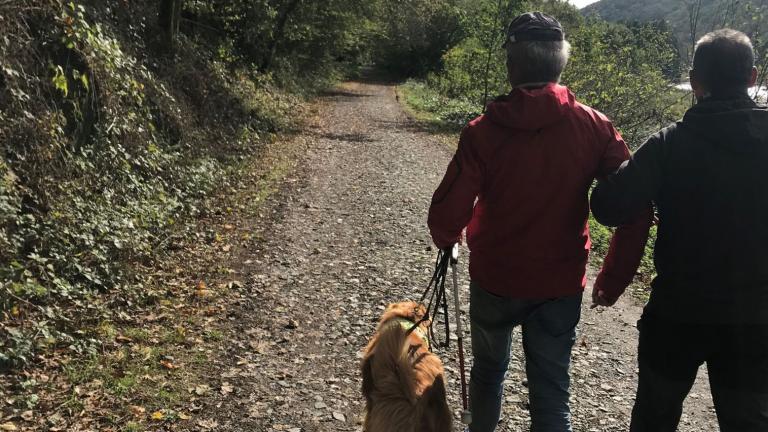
466 415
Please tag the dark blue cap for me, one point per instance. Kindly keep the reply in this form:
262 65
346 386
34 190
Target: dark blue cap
534 26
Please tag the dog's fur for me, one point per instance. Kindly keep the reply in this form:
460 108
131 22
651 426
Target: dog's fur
403 382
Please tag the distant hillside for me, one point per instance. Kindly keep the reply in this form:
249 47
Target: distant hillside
714 14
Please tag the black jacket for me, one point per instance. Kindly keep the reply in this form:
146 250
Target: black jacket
708 177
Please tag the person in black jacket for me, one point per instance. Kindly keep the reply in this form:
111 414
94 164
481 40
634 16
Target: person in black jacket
707 175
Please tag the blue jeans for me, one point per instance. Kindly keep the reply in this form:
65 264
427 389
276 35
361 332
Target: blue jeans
549 332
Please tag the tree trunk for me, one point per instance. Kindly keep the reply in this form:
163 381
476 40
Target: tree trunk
278 34
492 48
169 18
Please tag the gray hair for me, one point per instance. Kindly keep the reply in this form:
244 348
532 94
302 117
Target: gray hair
536 61
723 60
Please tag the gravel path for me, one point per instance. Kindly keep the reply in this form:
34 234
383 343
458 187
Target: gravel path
352 238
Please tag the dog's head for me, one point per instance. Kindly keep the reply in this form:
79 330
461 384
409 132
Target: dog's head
409 310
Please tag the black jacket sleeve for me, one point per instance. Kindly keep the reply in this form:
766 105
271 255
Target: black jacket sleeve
621 197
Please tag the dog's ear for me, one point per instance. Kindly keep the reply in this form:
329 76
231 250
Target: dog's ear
419 311
433 409
367 380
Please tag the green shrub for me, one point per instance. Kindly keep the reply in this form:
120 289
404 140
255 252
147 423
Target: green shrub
446 113
106 156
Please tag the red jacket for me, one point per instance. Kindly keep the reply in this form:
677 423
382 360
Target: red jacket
519 183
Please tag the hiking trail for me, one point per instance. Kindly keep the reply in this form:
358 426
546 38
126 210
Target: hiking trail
349 237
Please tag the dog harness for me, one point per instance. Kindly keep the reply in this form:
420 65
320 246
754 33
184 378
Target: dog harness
410 326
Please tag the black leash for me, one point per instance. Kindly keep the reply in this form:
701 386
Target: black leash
447 258
435 292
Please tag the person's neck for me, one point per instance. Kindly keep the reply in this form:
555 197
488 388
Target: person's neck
532 85
724 95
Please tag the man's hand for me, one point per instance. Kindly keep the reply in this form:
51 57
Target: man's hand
600 299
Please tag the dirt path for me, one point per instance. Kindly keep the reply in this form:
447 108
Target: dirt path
351 239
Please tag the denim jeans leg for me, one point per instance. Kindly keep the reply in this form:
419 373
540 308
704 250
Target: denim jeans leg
548 338
491 344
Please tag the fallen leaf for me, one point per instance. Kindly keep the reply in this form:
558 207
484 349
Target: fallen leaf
137 410
339 416
27 415
123 339
8 427
184 416
168 364
260 347
202 289
226 389
207 424
201 389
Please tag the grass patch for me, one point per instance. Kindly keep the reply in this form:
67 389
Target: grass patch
435 112
175 336
82 372
269 182
213 335
121 373
200 358
136 334
132 427
167 396
125 385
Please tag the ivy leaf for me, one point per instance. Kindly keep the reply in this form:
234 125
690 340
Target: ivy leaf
60 81
85 82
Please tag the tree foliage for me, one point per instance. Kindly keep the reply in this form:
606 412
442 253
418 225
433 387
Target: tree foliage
412 35
625 70
689 20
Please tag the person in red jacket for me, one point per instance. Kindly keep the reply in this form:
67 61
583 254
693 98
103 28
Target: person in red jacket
519 183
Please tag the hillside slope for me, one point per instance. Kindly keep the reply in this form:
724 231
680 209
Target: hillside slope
745 15
109 145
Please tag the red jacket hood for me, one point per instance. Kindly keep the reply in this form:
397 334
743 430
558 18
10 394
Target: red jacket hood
532 109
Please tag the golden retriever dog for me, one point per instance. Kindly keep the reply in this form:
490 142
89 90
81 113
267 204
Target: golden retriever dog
403 381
